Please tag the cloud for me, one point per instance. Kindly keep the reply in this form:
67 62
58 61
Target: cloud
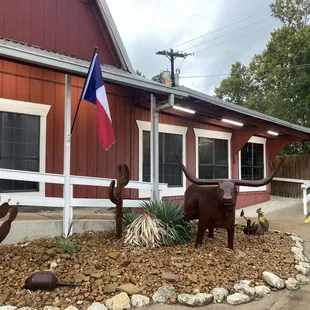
147 26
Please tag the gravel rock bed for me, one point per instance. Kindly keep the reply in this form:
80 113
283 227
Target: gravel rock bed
104 267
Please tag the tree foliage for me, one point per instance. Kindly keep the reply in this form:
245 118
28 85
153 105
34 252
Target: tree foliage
277 81
140 73
157 78
292 13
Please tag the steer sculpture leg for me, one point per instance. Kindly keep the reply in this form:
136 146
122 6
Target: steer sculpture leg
211 233
200 234
230 232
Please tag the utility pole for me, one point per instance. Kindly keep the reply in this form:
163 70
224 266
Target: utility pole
171 55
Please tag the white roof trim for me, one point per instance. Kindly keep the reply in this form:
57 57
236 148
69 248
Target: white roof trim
107 16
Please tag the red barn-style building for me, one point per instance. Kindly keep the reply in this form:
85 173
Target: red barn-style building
43 41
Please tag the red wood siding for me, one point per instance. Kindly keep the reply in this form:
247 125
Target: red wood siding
65 26
88 158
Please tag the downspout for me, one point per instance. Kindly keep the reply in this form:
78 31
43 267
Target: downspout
155 142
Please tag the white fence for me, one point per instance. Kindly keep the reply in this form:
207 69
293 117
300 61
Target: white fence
42 201
305 184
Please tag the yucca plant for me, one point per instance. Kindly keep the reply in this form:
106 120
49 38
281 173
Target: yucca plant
128 218
174 228
144 231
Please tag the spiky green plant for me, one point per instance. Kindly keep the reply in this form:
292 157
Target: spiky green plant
174 228
128 218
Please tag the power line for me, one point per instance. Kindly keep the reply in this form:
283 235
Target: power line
224 35
226 74
239 21
233 39
171 55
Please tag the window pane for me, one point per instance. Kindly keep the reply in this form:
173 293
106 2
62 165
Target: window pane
146 161
221 172
205 150
19 147
221 152
205 172
170 171
246 155
246 173
258 154
258 173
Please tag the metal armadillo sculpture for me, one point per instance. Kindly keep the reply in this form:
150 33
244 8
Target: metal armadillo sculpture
5 228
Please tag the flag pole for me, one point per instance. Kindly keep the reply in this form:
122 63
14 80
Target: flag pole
77 110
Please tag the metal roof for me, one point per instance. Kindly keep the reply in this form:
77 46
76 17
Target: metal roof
239 109
11 49
14 50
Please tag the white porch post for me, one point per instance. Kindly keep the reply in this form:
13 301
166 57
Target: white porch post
155 150
67 211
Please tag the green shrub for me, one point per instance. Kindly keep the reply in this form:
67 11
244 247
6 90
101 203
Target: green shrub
174 228
66 244
128 218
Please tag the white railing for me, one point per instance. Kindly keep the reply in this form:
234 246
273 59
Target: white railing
305 196
305 184
42 201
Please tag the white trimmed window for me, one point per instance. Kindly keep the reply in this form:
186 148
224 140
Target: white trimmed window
22 143
171 140
212 154
252 163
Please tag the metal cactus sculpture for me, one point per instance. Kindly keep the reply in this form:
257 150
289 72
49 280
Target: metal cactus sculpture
6 225
116 196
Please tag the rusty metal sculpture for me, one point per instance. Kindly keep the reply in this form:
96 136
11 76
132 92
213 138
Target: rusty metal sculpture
214 206
6 225
116 196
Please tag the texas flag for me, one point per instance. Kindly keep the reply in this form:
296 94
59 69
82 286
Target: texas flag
94 92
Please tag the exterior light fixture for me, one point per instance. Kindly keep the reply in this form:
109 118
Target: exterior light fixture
225 120
183 109
273 133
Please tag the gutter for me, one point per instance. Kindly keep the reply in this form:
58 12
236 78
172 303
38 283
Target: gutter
67 66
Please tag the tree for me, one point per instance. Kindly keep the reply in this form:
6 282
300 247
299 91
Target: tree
237 86
140 73
157 78
292 13
277 81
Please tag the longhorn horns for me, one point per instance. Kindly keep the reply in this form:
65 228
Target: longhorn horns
250 183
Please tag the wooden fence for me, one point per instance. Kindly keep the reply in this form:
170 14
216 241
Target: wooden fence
294 167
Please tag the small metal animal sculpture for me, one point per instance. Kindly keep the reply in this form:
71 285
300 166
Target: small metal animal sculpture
256 228
44 281
214 206
6 225
116 196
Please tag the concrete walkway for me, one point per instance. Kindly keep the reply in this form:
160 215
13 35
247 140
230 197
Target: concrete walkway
285 215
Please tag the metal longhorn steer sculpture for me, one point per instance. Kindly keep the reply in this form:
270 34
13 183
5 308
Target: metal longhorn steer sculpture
214 206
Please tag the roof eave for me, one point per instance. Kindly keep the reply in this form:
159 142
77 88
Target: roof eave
66 66
242 110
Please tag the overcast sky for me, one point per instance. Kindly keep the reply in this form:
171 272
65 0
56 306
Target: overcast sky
147 26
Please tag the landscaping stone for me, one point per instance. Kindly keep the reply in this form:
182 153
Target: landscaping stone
139 301
164 293
246 282
305 265
302 279
7 307
120 301
192 278
97 306
237 299
71 308
261 290
301 269
219 294
128 288
273 280
244 288
200 299
169 276
51 308
292 284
